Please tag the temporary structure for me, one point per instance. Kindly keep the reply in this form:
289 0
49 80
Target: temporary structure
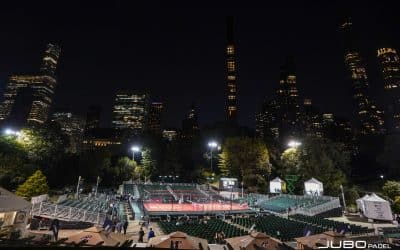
319 240
253 241
375 207
313 187
275 185
96 236
360 202
178 240
14 211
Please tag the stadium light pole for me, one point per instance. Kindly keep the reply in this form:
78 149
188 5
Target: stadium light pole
294 144
344 200
135 149
212 145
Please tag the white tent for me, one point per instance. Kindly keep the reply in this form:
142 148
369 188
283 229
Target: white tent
14 211
360 202
275 185
374 207
313 187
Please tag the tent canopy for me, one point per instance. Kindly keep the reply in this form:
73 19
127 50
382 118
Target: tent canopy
253 241
275 185
184 241
9 202
375 207
277 179
374 197
95 236
313 186
314 181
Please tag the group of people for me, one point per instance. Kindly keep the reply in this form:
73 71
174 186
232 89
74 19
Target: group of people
151 234
115 225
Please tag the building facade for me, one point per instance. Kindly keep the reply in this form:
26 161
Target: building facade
130 111
93 117
155 118
389 63
231 69
190 124
369 117
280 117
40 89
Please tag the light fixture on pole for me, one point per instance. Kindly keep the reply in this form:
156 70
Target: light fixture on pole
212 145
9 131
294 144
135 149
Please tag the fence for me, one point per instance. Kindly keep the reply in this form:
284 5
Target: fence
329 205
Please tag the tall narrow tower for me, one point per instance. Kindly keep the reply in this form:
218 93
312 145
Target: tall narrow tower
369 117
231 108
33 93
389 62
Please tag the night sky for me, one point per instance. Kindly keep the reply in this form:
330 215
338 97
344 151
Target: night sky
176 51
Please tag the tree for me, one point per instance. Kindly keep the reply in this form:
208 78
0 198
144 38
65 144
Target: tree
246 159
396 205
352 194
35 185
390 157
14 167
391 189
319 158
124 169
290 160
149 163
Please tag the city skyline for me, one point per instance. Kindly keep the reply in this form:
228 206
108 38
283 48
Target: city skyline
256 81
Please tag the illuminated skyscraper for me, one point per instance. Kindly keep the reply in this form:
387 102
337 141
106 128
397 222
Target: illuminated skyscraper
231 73
155 117
389 63
41 87
280 117
130 111
370 119
311 119
190 125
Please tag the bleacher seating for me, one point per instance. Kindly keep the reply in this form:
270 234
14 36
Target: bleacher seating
90 205
96 206
284 229
336 212
331 224
201 229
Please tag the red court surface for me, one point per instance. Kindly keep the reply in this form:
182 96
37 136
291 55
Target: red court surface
194 207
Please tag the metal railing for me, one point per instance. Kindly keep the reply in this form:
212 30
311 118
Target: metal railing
311 211
67 213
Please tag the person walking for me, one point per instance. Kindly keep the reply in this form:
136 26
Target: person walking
151 234
119 227
141 234
125 226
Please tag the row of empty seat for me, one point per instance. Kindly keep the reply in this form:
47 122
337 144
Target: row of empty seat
279 227
331 224
203 229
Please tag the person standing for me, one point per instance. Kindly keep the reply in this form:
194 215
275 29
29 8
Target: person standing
54 227
125 226
151 234
141 234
